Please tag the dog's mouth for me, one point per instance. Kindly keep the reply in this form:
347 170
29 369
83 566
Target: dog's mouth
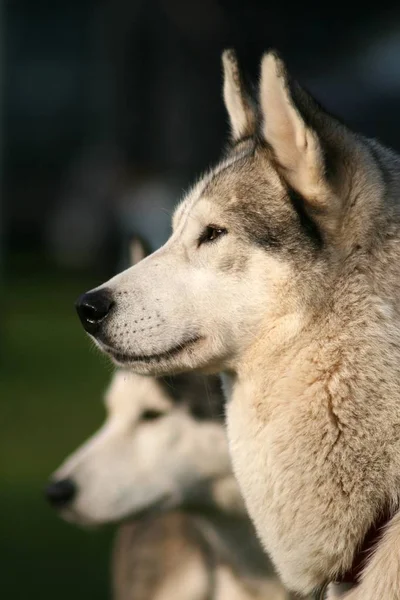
124 358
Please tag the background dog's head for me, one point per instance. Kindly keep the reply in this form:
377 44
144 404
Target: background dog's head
162 443
256 244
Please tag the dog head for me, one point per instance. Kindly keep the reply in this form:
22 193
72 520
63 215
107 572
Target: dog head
162 445
256 244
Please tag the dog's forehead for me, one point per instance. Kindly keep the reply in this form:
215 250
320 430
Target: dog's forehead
244 175
234 157
248 180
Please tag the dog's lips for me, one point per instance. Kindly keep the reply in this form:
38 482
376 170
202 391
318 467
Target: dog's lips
123 358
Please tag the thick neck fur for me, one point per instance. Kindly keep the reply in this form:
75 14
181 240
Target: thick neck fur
313 416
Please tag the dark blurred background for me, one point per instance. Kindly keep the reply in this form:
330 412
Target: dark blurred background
109 109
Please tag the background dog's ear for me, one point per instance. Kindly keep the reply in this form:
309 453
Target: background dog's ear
137 250
295 145
242 114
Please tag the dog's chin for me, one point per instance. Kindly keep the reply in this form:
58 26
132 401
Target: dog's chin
90 522
76 518
178 358
155 369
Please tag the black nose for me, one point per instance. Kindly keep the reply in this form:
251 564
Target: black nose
60 493
93 308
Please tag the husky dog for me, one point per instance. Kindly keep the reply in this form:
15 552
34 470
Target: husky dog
162 448
283 273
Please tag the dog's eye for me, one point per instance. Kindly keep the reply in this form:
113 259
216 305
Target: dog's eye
151 414
211 233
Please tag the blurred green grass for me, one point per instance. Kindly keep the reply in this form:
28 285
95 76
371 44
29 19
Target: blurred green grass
51 385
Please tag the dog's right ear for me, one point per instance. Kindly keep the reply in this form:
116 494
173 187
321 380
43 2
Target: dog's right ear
242 114
137 250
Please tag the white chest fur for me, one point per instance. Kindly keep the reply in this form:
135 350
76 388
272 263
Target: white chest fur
277 478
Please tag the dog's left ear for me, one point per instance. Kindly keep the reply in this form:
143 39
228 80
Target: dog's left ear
242 113
137 250
296 146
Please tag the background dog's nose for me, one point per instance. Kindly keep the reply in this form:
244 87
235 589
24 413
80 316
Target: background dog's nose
92 308
60 493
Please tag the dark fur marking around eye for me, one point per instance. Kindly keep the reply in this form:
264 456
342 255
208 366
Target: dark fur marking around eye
308 226
265 238
257 227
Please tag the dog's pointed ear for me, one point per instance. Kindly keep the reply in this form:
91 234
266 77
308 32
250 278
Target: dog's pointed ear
296 146
242 114
137 250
